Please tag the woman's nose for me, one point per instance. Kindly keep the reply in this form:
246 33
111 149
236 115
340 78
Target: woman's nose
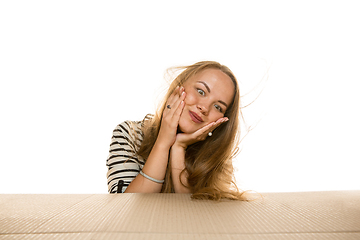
203 109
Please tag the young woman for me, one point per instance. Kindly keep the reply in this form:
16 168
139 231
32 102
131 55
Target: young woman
188 145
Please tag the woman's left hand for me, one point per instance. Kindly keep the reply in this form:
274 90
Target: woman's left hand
185 139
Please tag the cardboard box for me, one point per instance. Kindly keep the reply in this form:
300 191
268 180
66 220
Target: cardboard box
308 215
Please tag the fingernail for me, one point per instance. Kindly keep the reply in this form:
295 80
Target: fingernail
224 120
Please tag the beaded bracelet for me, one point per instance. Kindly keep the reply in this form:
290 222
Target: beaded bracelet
150 178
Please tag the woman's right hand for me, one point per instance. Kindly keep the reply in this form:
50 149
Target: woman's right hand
171 117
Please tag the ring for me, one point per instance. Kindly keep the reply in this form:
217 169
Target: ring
168 106
210 134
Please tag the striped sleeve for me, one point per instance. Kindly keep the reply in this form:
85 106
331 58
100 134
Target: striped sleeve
123 163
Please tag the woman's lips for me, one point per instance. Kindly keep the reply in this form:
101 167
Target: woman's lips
196 118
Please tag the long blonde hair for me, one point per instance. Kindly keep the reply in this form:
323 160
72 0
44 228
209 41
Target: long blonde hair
209 162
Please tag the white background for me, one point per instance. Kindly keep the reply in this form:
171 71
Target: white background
71 71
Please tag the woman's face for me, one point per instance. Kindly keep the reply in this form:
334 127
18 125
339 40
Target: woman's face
208 94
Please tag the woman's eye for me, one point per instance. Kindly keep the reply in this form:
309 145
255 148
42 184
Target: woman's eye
201 92
218 108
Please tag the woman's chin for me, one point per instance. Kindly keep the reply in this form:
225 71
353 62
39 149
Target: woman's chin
187 126
186 129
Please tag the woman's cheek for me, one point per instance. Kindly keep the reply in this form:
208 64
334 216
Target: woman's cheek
190 98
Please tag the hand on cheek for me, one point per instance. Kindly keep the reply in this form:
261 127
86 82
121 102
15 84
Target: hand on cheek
185 139
171 116
217 124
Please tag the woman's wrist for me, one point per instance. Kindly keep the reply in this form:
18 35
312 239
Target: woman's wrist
177 157
161 145
179 146
177 153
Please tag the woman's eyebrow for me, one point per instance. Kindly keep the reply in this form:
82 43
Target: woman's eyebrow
208 89
223 103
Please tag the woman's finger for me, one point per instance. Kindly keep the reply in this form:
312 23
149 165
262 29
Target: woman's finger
218 123
201 134
174 107
204 131
174 97
180 106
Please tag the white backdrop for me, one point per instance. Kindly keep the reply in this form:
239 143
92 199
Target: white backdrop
71 71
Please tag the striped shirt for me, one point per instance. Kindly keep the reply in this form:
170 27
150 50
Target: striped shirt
123 162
